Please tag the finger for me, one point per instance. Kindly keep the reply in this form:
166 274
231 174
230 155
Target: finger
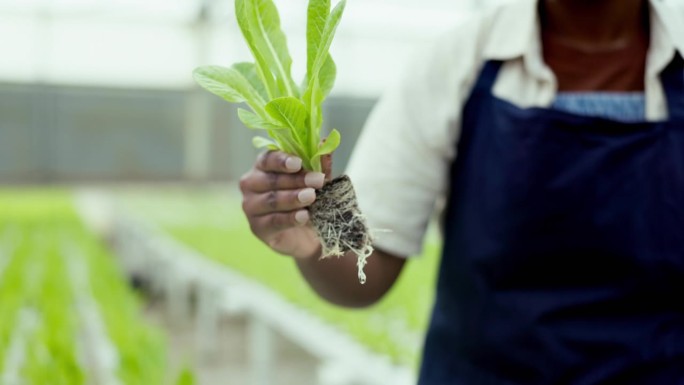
268 224
260 182
278 201
277 161
326 164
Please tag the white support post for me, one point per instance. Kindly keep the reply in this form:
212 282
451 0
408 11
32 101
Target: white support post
198 114
208 320
177 294
261 352
156 268
234 301
197 136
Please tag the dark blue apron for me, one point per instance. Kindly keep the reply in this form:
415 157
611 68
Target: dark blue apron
564 248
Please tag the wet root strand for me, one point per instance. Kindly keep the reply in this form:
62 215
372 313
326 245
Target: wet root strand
339 223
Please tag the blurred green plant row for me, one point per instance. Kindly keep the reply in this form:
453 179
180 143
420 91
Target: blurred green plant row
37 232
213 224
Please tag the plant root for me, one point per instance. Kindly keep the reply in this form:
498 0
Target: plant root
339 223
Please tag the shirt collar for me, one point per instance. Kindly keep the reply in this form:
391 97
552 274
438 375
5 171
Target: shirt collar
514 29
669 18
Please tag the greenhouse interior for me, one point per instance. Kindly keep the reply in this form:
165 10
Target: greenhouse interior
125 257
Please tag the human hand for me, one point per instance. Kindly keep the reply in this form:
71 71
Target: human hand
275 195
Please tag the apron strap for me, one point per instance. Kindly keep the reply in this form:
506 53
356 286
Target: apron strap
672 79
488 75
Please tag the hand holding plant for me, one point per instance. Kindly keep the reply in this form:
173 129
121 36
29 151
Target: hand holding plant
290 115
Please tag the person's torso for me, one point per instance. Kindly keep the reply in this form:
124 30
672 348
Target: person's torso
563 254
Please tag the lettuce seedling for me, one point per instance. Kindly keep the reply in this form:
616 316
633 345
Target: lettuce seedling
290 115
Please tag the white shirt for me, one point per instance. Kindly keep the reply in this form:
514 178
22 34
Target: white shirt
401 162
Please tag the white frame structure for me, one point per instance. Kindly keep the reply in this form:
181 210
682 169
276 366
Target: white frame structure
177 274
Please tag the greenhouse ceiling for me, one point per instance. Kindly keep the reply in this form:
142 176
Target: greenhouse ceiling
157 43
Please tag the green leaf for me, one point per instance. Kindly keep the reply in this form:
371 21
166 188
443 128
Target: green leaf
317 15
313 99
229 84
267 85
289 144
242 12
330 144
327 36
213 80
271 43
317 18
261 142
249 71
292 113
322 73
327 76
254 121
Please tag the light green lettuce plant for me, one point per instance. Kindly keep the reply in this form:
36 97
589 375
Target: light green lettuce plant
36 277
291 115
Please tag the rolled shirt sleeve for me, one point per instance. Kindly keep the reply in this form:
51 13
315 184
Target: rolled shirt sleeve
400 164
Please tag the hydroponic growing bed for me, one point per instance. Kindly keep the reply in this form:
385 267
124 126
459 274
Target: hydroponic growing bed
211 222
67 314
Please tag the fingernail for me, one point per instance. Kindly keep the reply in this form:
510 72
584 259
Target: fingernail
307 195
302 217
314 179
293 164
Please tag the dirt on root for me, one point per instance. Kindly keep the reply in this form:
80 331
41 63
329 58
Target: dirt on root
339 223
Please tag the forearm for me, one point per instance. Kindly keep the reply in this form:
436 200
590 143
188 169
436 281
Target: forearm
335 279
